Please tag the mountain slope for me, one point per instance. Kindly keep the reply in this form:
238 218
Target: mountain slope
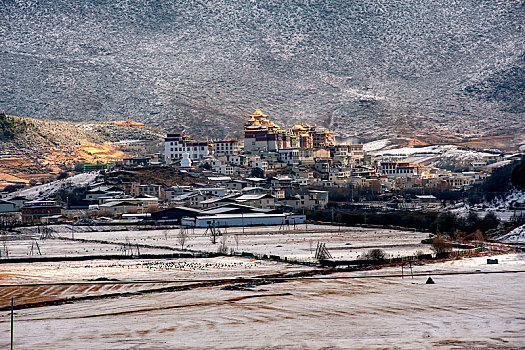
48 147
364 67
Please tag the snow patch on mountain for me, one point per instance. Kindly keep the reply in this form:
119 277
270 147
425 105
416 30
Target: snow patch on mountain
51 189
515 236
443 151
505 208
376 145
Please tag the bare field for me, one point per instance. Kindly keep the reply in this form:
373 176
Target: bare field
41 282
31 246
297 243
347 310
236 302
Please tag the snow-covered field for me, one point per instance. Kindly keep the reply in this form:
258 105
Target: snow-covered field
202 303
343 242
32 247
346 310
441 150
141 270
376 145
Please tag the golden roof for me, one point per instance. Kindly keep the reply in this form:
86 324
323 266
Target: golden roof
298 127
258 114
259 120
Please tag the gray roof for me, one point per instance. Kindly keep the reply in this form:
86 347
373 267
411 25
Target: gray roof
251 197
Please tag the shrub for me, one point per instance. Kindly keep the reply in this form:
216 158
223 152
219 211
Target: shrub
489 222
375 254
62 175
440 245
12 188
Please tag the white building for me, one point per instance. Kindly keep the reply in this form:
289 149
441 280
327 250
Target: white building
226 147
226 169
175 145
401 169
249 219
289 156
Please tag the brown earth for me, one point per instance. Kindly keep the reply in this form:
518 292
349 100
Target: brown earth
50 147
166 176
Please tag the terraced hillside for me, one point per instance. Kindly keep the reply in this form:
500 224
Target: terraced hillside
48 147
367 68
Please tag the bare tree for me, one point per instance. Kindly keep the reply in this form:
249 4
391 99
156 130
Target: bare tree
182 237
236 237
214 232
223 248
440 245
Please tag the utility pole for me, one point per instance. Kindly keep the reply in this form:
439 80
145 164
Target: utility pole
305 221
12 309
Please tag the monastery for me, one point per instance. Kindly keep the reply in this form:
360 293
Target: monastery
261 134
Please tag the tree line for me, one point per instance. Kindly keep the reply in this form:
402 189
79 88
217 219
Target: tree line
11 127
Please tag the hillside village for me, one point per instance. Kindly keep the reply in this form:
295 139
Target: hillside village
262 174
272 171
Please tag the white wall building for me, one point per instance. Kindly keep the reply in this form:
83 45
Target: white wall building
249 219
401 169
175 145
289 155
225 147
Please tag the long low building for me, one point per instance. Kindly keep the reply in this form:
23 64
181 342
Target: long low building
236 220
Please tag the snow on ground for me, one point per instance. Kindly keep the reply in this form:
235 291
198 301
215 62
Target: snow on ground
505 208
141 269
25 247
344 243
506 262
442 152
50 189
513 199
515 236
28 283
361 309
502 214
348 310
376 145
